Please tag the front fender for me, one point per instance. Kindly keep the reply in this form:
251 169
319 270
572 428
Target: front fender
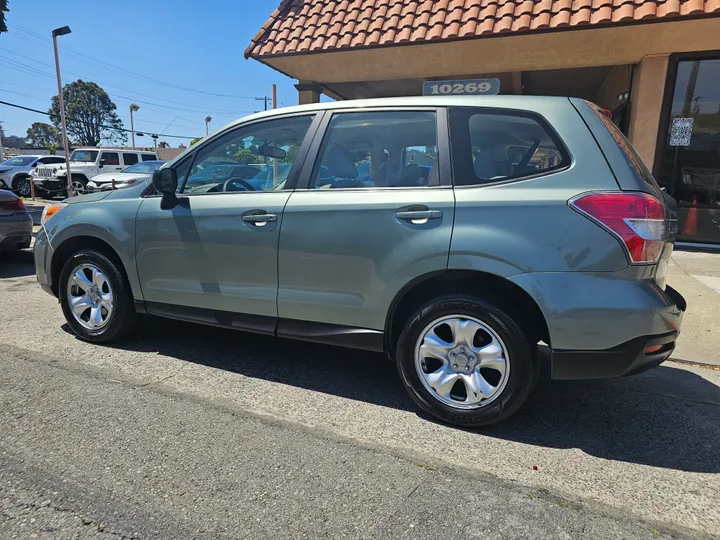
112 222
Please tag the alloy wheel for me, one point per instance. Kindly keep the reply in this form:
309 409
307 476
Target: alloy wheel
462 361
90 297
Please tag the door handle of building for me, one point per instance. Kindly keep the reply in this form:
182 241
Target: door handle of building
414 215
259 219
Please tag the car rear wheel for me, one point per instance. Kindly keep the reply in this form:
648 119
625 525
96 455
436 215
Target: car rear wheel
466 361
95 297
21 186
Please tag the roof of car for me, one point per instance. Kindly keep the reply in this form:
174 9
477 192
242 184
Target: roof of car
505 101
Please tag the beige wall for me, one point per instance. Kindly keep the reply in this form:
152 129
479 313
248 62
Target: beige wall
646 105
608 46
616 82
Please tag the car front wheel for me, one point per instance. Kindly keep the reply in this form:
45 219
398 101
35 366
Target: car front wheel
466 361
21 186
95 297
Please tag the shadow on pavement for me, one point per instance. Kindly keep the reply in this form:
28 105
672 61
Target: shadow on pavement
16 264
666 417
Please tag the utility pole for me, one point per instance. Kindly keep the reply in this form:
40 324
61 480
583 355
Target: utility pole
55 33
208 119
274 96
265 99
133 108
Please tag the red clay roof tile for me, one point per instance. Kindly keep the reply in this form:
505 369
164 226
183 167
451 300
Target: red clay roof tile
302 26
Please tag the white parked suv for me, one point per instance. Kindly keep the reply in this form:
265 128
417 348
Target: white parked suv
86 164
15 172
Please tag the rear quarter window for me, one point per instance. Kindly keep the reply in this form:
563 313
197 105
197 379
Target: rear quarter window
636 164
493 145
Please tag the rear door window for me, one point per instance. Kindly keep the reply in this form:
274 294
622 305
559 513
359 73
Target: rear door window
130 159
490 145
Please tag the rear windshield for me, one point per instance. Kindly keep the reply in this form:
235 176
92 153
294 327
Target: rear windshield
633 160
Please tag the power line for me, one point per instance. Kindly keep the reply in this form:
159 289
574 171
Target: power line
87 123
33 70
26 32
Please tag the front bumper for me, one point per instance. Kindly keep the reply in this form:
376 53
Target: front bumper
50 184
5 181
43 253
628 358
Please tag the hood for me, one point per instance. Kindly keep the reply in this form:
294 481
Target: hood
119 177
132 192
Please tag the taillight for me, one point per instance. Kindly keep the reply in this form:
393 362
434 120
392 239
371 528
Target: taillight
17 206
638 219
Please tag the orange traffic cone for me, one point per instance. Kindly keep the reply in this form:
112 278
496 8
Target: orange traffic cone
690 225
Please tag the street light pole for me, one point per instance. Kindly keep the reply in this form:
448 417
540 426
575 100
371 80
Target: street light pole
208 119
55 33
133 108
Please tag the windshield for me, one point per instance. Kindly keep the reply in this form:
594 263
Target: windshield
19 161
88 156
144 167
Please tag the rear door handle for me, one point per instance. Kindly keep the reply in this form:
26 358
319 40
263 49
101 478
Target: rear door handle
414 215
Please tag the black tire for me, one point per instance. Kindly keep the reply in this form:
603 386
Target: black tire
521 352
21 186
123 316
82 181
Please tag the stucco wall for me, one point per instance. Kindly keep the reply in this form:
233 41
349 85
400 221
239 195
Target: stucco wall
646 106
616 82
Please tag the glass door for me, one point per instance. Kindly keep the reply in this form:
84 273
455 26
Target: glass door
690 167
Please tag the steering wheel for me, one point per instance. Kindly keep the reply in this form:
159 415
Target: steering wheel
528 155
237 182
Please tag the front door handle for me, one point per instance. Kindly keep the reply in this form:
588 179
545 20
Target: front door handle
415 215
259 219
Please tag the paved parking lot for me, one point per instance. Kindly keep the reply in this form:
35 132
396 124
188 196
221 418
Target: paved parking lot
193 431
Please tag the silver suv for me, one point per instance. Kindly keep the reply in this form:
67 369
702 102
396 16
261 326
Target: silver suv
454 234
15 172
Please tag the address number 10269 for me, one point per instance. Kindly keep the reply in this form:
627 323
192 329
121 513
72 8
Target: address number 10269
460 88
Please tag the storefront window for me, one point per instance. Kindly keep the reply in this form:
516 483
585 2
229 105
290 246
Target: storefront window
690 169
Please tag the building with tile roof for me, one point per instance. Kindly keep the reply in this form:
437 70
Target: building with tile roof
648 61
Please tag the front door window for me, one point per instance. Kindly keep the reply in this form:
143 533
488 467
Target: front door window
691 158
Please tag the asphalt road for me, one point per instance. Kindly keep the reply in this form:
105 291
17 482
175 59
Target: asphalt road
188 431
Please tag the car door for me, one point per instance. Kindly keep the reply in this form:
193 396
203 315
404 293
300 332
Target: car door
365 221
214 255
110 162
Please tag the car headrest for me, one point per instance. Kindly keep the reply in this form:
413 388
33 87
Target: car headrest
485 165
340 162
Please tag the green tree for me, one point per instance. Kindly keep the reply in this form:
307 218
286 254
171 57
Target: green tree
41 135
163 144
90 115
3 9
195 140
52 148
245 156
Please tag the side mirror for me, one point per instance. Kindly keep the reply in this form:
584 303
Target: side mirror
165 182
102 162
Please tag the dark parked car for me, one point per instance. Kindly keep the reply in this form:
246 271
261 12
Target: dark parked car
15 222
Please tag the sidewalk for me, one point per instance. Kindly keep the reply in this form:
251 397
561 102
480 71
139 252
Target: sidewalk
696 276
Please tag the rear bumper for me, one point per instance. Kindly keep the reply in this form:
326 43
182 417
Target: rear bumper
628 358
15 231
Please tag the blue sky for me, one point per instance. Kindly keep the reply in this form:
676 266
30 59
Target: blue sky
196 45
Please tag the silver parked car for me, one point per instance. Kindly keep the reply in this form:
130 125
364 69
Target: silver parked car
16 223
15 172
452 233
125 178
